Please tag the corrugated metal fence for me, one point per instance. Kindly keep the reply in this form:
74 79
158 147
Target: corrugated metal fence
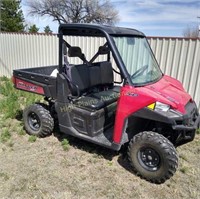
178 57
26 50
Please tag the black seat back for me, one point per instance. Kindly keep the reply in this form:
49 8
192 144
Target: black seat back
80 79
101 73
95 76
86 77
106 73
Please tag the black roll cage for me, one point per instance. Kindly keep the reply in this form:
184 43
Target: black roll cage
98 31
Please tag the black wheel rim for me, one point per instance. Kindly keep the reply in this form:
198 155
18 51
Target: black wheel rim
149 159
34 121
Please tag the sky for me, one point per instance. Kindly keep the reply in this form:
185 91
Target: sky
153 17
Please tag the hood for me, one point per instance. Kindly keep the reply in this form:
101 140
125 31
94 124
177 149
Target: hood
169 91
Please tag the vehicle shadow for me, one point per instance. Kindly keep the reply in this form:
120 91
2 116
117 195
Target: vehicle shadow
124 162
89 147
19 115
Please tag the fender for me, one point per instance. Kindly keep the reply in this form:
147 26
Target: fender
130 101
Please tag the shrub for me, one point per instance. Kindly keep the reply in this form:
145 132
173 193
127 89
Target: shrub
14 100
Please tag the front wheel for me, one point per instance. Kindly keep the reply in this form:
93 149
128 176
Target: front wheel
153 157
38 121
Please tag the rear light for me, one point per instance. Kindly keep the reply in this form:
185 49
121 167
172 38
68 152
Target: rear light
13 79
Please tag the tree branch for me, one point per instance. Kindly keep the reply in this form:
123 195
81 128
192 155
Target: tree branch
76 11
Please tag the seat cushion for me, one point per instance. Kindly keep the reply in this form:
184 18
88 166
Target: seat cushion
107 96
97 100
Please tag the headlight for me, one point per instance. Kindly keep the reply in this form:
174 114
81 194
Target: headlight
161 107
158 106
164 109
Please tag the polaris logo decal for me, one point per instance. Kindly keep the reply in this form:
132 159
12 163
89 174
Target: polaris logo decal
131 94
23 85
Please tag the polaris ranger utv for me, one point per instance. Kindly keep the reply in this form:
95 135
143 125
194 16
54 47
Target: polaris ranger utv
148 110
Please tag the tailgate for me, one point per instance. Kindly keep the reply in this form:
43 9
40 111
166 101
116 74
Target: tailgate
36 80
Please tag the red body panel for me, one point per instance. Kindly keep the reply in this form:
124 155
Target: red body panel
167 90
129 102
27 86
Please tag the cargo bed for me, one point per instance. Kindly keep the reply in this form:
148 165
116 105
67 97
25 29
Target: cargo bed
37 80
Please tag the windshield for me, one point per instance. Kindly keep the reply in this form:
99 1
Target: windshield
138 59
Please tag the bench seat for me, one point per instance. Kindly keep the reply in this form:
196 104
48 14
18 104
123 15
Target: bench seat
94 85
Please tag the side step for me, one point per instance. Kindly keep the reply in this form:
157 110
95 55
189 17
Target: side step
104 139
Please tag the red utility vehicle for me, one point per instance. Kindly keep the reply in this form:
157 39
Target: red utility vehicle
147 109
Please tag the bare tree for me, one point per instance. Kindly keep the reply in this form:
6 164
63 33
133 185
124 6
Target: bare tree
191 31
75 11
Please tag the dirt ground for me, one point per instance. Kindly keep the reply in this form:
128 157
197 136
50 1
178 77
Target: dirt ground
42 169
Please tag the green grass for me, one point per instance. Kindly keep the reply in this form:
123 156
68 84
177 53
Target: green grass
6 86
3 78
110 163
4 176
65 144
21 131
10 106
183 156
14 101
11 144
5 136
32 138
184 170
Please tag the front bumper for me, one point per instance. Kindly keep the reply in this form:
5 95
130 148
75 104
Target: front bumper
179 129
186 126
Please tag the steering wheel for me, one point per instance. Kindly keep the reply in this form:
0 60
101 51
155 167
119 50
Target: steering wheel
139 72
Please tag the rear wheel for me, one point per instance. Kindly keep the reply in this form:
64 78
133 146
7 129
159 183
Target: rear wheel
153 157
38 121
